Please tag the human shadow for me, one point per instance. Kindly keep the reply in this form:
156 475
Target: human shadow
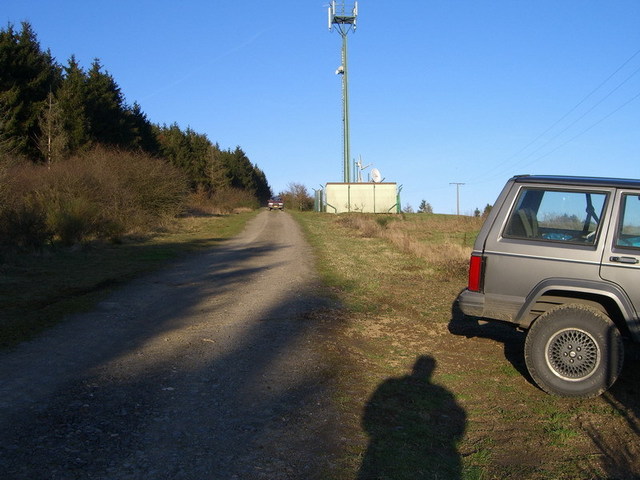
413 425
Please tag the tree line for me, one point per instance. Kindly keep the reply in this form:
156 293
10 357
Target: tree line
51 112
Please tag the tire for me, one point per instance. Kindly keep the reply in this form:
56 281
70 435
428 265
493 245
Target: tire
574 351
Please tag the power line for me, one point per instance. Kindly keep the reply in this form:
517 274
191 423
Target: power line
585 130
488 174
585 114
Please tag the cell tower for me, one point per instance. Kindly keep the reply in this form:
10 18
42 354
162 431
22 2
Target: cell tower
344 23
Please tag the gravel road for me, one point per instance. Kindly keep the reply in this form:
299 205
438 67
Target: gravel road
209 369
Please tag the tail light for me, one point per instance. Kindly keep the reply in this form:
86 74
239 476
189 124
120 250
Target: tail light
476 271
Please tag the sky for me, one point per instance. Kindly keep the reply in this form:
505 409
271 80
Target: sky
441 92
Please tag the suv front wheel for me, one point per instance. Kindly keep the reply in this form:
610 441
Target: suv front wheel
574 351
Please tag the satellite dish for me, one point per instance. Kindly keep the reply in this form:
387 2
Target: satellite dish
375 175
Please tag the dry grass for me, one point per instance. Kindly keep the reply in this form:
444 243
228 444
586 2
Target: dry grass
478 416
443 241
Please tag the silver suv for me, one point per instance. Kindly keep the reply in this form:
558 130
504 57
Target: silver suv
559 257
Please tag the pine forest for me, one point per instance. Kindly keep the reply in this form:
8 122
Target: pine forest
78 162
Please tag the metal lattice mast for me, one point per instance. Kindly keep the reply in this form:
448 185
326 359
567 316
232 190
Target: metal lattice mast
344 23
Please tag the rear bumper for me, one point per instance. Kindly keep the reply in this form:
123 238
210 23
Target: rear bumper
471 303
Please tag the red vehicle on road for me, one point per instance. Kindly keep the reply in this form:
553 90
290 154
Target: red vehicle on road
275 203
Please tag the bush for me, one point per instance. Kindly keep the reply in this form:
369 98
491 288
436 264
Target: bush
24 226
228 200
22 217
101 194
75 220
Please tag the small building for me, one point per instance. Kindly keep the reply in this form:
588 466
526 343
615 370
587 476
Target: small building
361 197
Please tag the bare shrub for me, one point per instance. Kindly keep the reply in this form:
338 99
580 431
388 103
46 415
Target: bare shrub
100 194
22 216
24 226
297 197
228 200
74 220
199 203
364 225
135 190
370 229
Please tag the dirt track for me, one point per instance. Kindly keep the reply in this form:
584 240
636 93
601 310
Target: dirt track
206 370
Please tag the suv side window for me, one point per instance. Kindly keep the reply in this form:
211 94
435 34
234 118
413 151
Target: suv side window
568 216
629 228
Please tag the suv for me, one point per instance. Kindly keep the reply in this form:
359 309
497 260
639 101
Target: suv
559 257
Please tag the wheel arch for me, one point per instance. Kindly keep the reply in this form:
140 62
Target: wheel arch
606 297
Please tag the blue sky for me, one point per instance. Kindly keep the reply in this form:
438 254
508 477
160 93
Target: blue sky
444 91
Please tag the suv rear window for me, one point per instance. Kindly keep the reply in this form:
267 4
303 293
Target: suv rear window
568 216
629 230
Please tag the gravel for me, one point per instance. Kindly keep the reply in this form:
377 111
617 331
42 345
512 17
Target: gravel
209 369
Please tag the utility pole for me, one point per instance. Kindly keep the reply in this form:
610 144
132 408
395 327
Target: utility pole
344 22
457 184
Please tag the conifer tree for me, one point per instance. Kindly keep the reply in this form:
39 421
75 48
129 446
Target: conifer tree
199 156
216 171
141 131
72 97
27 75
425 207
240 170
105 108
263 190
173 145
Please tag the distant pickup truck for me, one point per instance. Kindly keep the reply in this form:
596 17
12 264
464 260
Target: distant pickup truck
276 203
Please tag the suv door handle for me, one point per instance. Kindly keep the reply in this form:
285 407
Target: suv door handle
629 260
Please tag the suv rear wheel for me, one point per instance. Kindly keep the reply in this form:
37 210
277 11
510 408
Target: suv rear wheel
574 350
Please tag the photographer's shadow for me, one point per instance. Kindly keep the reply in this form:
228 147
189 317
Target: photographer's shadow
414 426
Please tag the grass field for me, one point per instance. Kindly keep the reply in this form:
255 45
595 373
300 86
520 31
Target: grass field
428 394
423 392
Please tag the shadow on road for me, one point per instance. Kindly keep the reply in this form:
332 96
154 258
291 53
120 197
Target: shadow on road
167 387
413 425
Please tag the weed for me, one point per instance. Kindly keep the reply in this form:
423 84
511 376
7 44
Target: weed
509 370
558 428
384 220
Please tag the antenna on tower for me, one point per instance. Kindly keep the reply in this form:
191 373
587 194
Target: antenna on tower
344 22
361 168
338 16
